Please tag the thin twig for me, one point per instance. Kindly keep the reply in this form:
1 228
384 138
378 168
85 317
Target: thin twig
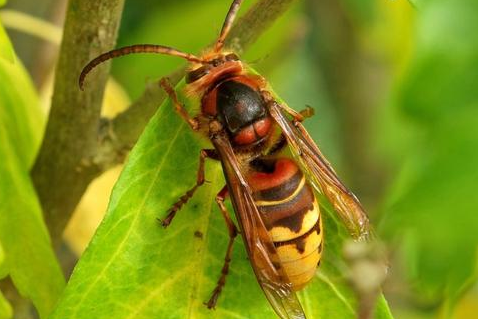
124 130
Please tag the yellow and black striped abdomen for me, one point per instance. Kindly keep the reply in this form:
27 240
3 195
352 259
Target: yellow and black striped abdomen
291 214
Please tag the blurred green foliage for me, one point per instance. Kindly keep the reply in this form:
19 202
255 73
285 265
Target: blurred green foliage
28 256
6 49
432 207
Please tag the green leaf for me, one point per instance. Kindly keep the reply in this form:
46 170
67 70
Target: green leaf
6 48
133 268
29 258
6 311
5 308
434 202
2 259
20 114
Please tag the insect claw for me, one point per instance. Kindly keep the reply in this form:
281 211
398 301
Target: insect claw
194 123
164 222
309 111
211 304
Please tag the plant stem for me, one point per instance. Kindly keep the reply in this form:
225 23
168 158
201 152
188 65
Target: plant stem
258 19
64 166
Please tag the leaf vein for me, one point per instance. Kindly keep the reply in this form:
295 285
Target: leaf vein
200 270
336 291
171 280
136 217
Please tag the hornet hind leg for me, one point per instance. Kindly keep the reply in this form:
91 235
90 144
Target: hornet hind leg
220 198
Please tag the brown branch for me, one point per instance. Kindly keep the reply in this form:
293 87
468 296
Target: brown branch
64 166
78 145
255 22
122 132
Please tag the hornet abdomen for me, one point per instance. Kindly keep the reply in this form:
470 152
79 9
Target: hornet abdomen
291 215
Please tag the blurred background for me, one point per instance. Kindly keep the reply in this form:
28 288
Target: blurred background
395 88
